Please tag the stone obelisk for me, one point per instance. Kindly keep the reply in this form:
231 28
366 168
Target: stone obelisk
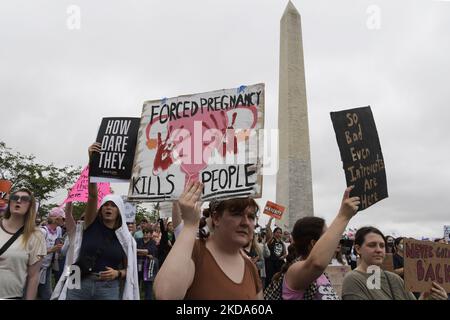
294 182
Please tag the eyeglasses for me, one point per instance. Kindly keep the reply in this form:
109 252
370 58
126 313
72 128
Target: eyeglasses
16 198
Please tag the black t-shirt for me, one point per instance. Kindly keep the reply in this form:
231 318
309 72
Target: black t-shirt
398 261
101 242
276 249
150 246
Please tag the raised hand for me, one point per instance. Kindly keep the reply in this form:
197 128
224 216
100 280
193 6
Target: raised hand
349 206
95 147
190 203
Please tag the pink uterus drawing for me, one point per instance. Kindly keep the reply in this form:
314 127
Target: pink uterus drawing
193 139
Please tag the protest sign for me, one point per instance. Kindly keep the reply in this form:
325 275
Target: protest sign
5 187
79 192
361 155
118 143
274 210
424 262
165 209
130 210
447 233
210 137
336 274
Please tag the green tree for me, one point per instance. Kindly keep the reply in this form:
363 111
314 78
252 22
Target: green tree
43 179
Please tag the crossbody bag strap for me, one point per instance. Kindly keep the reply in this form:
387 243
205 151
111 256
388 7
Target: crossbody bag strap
11 240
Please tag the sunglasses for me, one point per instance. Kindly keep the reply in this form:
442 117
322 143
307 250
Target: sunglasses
16 198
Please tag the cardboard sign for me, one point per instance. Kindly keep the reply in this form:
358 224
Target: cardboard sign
447 233
210 137
80 193
336 274
130 210
274 210
424 262
5 187
118 138
388 262
361 155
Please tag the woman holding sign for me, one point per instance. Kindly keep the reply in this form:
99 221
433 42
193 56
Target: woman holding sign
315 245
103 252
215 268
370 244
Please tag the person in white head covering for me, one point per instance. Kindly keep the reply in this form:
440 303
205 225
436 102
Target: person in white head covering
104 252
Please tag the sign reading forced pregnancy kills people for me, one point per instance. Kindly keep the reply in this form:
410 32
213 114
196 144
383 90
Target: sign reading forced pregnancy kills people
118 139
425 262
212 137
361 155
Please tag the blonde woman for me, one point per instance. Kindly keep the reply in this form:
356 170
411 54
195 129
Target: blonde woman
22 246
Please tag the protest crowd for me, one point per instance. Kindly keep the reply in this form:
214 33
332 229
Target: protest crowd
212 247
224 253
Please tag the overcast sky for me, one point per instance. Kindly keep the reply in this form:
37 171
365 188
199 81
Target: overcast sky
56 83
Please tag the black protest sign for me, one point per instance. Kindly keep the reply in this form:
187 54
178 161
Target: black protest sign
118 138
358 142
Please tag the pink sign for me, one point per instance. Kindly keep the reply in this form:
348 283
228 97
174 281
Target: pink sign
79 192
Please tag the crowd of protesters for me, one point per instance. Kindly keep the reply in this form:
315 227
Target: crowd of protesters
216 253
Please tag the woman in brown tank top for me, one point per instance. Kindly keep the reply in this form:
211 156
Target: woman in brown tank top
216 268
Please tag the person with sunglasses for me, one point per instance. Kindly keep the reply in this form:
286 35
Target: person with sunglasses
103 250
22 247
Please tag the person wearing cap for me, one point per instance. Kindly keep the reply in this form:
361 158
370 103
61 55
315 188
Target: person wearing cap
52 232
102 251
214 268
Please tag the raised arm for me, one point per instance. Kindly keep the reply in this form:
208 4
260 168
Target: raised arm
301 274
176 214
91 207
177 272
70 221
269 233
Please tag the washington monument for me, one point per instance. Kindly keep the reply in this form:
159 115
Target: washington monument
294 182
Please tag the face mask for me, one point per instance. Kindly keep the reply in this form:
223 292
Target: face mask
400 246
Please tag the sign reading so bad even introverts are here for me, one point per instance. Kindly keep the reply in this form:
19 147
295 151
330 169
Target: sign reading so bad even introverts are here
361 154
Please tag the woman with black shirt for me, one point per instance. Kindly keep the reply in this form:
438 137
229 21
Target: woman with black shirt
107 254
278 252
